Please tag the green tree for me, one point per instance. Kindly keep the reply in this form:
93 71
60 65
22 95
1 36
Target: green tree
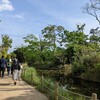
95 39
75 37
32 49
20 53
6 44
50 34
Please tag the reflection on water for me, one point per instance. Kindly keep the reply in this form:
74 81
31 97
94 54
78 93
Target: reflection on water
82 87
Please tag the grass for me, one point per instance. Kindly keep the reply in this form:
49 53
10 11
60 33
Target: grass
32 77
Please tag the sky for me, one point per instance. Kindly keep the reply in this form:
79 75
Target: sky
22 17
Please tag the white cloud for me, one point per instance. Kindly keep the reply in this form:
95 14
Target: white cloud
18 16
6 6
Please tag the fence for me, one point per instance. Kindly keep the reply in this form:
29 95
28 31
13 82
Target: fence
58 93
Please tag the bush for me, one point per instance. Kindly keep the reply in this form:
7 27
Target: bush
30 77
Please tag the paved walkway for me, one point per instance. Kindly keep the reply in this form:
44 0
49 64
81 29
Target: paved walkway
21 91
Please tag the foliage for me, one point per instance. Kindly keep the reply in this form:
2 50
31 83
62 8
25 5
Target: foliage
51 33
58 46
6 41
28 76
5 45
20 54
49 86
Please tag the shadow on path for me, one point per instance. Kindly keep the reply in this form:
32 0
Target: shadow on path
21 91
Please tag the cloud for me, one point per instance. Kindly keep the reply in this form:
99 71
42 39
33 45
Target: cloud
6 6
13 16
18 16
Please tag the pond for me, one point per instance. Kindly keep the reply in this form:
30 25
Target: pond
82 86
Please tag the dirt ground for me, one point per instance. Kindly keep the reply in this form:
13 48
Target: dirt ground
21 91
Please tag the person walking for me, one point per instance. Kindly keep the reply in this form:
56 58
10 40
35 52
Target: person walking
8 69
20 71
3 65
9 62
15 68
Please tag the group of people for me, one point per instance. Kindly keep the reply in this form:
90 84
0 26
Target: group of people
13 67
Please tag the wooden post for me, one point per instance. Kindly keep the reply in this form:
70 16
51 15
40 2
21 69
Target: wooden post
94 96
56 90
42 82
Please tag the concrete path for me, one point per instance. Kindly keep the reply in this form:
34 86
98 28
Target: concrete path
21 91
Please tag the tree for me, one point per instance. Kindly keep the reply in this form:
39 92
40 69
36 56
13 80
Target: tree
75 41
6 44
51 33
94 39
93 8
6 41
76 37
32 48
20 53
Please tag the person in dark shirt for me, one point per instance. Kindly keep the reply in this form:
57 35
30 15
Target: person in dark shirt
15 68
3 65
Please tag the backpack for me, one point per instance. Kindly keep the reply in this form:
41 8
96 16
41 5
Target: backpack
16 65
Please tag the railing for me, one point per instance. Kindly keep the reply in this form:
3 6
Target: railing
58 93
